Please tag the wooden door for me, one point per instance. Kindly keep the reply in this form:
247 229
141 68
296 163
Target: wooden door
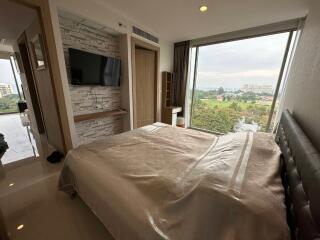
145 61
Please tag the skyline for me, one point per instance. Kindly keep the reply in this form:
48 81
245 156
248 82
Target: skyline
234 64
6 75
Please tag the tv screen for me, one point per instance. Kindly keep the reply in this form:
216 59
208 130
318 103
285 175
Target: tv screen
92 69
110 72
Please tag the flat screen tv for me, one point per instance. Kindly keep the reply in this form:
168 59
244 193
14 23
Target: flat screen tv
92 69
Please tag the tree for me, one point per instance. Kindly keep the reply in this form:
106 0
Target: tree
220 90
227 98
221 117
9 103
217 119
235 106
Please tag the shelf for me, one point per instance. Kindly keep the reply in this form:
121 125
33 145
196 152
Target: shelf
90 116
174 109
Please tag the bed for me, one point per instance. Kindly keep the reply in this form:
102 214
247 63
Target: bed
301 179
164 182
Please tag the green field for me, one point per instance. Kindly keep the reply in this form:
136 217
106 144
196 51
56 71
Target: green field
8 104
222 116
226 104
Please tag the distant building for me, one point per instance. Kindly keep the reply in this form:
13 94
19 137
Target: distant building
5 90
257 88
220 98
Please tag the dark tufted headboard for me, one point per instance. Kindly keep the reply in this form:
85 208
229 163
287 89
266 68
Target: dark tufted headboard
301 179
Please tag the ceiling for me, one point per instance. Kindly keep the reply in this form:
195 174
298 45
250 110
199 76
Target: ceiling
14 19
178 20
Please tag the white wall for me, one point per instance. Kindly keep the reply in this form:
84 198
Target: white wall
102 14
302 95
166 56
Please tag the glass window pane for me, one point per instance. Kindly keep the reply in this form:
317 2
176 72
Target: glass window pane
283 81
191 80
235 83
17 74
8 91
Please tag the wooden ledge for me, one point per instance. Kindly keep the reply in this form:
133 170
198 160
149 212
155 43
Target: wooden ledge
89 116
174 109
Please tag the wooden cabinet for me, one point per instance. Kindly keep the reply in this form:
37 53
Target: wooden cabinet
169 112
166 89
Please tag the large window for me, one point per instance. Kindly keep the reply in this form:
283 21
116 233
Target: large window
237 84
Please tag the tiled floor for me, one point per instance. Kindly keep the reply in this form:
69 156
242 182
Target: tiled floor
18 138
45 213
29 196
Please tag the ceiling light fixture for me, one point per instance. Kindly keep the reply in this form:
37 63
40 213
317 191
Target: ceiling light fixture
203 8
20 227
11 184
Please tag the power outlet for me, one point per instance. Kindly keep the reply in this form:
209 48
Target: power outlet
98 106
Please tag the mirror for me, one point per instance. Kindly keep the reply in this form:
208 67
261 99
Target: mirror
37 48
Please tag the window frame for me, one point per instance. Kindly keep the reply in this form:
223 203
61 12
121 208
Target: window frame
267 30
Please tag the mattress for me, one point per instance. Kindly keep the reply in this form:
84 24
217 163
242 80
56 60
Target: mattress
164 182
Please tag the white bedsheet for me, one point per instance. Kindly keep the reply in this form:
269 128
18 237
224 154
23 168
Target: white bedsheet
163 182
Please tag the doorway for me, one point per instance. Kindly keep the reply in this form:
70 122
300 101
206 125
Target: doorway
14 122
15 125
15 109
146 91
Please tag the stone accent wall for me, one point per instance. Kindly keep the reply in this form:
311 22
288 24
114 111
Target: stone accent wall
88 36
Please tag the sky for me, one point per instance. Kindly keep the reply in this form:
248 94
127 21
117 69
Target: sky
6 75
233 64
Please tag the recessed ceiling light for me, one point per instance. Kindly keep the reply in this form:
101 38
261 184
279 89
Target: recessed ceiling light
20 227
11 184
203 8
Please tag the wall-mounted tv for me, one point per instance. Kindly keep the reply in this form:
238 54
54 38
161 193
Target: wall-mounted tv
92 69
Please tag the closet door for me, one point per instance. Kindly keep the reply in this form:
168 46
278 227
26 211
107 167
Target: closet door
145 69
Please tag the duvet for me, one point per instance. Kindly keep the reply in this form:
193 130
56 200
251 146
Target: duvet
164 182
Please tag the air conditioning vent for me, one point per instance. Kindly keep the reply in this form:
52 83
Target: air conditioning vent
144 34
